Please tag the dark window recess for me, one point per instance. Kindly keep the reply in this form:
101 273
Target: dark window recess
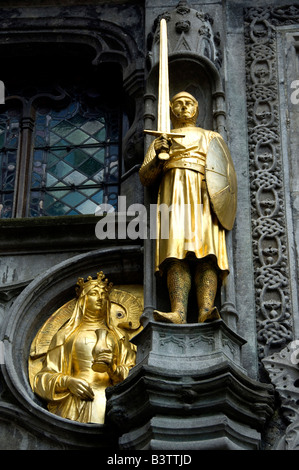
60 139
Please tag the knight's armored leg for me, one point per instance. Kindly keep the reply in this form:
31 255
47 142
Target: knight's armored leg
206 281
179 284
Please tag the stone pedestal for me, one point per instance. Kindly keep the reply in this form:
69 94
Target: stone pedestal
189 391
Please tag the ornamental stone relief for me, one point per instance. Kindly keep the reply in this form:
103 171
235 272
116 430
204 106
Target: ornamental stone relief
189 31
269 231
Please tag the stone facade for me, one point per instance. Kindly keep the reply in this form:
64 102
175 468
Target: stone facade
232 385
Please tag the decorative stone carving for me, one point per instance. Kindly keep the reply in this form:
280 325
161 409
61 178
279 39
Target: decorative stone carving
273 303
188 391
189 31
284 374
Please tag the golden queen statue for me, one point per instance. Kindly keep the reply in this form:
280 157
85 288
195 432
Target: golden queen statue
90 351
197 183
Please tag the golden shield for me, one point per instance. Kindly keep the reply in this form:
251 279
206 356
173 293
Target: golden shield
221 182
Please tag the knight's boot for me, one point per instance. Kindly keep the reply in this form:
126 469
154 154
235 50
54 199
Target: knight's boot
209 315
169 317
179 284
206 280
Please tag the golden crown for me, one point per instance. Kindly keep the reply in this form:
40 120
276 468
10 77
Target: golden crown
100 281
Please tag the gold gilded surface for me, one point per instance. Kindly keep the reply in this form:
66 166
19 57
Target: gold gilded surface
84 347
221 182
195 249
163 95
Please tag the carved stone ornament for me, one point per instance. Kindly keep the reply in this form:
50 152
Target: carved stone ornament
270 255
284 374
190 31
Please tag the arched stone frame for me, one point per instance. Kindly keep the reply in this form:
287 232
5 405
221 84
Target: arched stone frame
107 43
31 309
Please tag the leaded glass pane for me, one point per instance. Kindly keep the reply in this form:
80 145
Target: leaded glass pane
75 150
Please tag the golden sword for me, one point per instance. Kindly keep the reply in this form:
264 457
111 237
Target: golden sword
163 96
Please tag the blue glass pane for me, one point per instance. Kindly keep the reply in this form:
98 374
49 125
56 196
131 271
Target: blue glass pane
98 197
74 198
88 207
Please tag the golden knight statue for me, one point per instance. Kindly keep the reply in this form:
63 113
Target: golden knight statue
197 182
83 348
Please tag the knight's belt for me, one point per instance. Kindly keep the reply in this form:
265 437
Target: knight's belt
185 162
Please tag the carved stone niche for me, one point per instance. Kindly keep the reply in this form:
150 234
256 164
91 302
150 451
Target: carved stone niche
38 301
194 64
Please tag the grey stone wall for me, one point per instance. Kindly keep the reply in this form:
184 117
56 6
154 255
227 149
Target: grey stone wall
252 103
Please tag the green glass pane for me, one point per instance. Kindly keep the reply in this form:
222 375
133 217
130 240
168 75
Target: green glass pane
88 182
51 160
60 169
77 137
100 155
63 128
59 152
88 207
75 178
58 208
89 192
74 198
50 181
100 135
61 143
59 194
54 139
91 141
90 167
91 127
48 200
77 120
75 157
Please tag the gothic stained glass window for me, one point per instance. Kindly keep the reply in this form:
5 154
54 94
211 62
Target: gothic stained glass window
9 139
75 160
